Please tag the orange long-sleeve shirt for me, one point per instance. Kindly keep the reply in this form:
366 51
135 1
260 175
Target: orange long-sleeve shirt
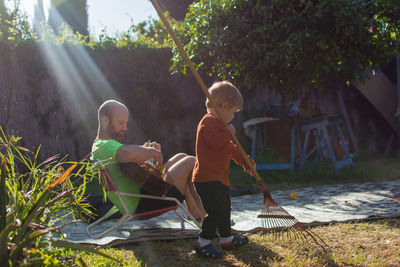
214 150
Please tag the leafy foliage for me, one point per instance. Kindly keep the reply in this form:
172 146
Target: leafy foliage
177 8
153 32
150 33
15 28
40 199
14 25
289 45
146 34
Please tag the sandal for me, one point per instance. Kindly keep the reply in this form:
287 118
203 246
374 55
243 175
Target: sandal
236 242
207 251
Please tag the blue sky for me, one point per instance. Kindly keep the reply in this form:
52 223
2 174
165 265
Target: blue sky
114 15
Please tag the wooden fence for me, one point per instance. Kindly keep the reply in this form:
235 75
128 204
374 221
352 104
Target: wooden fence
50 96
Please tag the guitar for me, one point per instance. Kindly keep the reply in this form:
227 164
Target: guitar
146 176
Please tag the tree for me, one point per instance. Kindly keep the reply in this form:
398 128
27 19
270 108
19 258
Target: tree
176 8
71 12
38 18
4 18
14 25
152 32
289 45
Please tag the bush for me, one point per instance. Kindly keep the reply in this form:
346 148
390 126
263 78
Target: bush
36 200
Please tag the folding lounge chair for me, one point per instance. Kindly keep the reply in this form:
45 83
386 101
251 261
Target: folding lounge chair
110 186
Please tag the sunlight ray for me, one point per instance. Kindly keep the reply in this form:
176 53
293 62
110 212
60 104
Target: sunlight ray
77 76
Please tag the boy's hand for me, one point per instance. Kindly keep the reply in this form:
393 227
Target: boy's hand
248 169
231 128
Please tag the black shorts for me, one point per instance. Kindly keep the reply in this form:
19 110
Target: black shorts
148 204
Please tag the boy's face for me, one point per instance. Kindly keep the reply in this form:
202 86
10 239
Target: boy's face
228 112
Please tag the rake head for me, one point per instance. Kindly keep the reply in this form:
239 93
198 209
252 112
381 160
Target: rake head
277 220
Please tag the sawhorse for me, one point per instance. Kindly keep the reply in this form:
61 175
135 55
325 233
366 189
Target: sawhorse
257 142
319 128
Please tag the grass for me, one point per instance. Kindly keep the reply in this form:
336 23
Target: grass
351 244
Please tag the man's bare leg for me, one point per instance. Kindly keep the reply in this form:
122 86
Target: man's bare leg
179 175
174 160
177 170
196 199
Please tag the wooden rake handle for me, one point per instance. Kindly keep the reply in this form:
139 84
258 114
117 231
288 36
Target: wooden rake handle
205 91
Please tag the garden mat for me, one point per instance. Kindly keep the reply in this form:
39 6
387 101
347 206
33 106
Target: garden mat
314 205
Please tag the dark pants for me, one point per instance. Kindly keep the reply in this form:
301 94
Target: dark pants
217 203
99 207
149 204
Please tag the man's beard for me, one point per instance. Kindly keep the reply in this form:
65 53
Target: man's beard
115 135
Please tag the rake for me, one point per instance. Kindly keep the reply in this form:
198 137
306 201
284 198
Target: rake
274 217
277 220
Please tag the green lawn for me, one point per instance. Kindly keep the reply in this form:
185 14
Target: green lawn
357 244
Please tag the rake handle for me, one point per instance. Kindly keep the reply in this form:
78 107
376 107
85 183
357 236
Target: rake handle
205 91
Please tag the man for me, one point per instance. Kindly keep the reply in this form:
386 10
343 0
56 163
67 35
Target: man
113 118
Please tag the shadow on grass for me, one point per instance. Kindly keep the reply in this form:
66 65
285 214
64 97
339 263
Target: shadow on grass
252 254
181 253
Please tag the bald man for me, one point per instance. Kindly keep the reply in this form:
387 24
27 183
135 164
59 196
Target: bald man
113 117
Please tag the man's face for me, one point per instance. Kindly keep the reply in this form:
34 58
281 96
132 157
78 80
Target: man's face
118 124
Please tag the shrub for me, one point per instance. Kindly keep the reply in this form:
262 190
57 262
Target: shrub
38 199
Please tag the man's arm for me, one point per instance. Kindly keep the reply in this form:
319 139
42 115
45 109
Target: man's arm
137 154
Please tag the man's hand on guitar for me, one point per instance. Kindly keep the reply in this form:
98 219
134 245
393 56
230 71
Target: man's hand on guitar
157 156
153 145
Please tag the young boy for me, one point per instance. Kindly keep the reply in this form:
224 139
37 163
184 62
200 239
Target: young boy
214 150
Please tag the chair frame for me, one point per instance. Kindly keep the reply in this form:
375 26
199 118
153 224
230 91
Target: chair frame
137 216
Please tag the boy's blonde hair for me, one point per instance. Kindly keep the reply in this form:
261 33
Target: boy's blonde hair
224 92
